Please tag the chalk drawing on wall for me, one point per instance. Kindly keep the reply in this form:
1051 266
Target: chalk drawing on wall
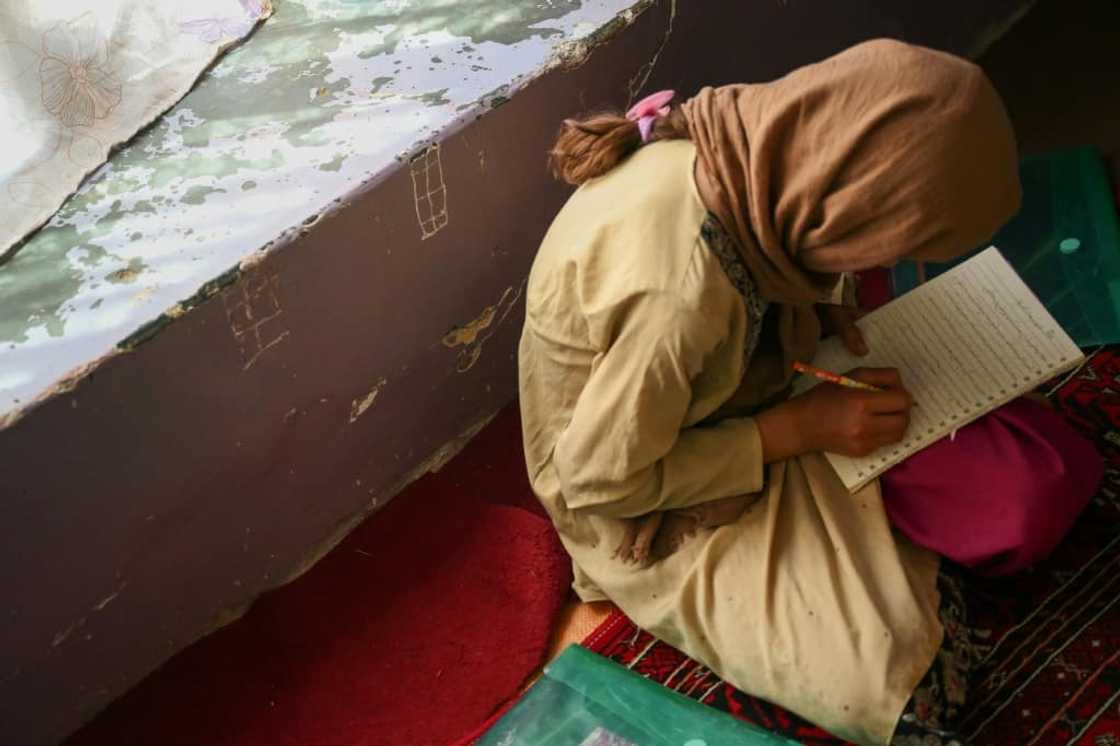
430 191
254 314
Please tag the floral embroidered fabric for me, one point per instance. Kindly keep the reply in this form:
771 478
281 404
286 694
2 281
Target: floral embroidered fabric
78 78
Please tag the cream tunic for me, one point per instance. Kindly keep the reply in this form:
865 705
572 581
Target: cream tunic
633 339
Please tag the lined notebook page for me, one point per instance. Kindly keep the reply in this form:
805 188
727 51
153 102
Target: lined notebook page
966 342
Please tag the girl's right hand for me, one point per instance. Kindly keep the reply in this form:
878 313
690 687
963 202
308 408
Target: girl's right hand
854 422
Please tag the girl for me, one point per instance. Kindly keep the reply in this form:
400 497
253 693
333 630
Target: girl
695 263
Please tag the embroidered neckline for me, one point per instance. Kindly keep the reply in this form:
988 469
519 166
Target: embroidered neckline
723 246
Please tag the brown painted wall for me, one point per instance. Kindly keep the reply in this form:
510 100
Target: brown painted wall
180 480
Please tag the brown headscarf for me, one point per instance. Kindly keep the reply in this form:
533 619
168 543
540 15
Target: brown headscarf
883 151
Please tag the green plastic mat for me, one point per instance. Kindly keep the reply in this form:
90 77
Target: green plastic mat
584 699
1065 244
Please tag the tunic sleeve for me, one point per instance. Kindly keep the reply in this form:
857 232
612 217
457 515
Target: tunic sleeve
625 451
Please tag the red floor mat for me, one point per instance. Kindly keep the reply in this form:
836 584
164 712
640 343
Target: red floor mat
412 631
1051 672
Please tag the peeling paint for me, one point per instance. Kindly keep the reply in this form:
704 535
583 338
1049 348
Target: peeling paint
472 335
334 164
573 53
129 273
380 82
144 294
150 329
359 406
326 98
465 335
196 195
433 98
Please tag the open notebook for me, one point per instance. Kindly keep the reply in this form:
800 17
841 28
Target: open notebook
966 342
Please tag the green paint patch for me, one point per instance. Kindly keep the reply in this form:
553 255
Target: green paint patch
334 164
122 185
379 83
480 21
197 195
37 285
432 98
89 254
101 228
159 157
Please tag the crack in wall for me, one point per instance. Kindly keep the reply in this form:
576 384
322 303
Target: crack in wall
634 86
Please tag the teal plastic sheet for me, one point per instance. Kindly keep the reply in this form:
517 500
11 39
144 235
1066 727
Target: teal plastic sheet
1064 243
584 699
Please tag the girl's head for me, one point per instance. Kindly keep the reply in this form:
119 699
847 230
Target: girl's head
882 152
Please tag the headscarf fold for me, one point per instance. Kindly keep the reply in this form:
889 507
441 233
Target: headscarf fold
884 151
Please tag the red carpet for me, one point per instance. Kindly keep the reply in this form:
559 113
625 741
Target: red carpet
412 631
1051 670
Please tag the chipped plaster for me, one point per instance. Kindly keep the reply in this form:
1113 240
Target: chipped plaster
473 335
359 406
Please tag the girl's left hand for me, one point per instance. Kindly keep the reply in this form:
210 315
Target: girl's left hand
841 320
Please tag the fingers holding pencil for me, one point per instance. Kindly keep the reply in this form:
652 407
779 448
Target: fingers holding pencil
836 378
854 414
883 379
886 381
879 380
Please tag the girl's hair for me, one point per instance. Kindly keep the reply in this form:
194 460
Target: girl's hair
589 147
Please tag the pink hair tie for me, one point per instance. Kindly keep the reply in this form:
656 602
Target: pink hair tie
646 111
